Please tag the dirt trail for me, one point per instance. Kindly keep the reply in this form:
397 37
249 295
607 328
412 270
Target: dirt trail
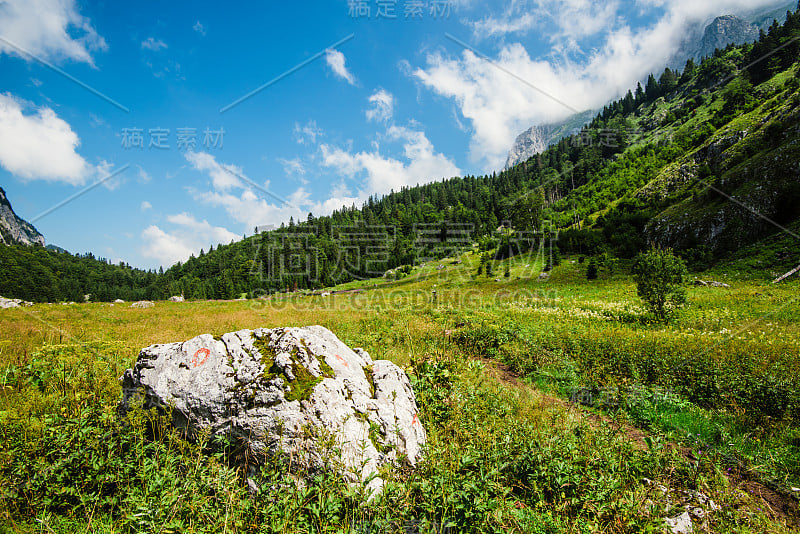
779 505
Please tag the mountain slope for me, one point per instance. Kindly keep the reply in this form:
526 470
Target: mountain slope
14 230
651 182
716 166
763 18
701 42
739 186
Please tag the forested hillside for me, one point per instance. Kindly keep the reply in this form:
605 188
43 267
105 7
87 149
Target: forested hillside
40 275
705 160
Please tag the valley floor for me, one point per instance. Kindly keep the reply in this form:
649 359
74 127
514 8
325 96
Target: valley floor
552 405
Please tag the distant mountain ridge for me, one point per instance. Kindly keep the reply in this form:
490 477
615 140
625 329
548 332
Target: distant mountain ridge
14 230
537 138
725 30
702 40
56 248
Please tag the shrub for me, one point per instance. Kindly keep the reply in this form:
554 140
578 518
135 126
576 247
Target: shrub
659 278
591 271
698 258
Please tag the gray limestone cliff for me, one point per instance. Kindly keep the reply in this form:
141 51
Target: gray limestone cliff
14 230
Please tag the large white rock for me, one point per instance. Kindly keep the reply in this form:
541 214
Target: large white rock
295 391
8 303
13 303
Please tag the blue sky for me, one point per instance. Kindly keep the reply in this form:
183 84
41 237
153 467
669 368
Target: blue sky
398 101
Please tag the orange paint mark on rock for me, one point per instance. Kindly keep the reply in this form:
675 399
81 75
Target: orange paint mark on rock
196 361
341 360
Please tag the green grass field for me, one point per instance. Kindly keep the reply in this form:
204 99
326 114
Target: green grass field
714 394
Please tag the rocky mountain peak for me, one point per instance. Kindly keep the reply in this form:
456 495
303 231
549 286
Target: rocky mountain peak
537 138
725 30
14 230
531 141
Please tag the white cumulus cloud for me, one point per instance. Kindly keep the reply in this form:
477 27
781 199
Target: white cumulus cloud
223 176
143 175
292 166
361 173
381 174
251 208
50 29
307 134
382 106
242 198
336 61
40 145
186 237
562 19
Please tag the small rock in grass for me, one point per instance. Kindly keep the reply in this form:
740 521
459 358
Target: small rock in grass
681 524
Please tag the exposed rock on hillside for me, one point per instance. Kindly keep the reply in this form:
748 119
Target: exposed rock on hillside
701 41
725 30
538 137
13 230
530 142
296 391
710 283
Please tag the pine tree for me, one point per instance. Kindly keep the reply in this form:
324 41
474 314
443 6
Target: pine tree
651 89
628 103
688 71
667 82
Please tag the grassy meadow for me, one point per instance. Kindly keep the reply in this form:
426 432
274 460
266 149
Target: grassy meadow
709 402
